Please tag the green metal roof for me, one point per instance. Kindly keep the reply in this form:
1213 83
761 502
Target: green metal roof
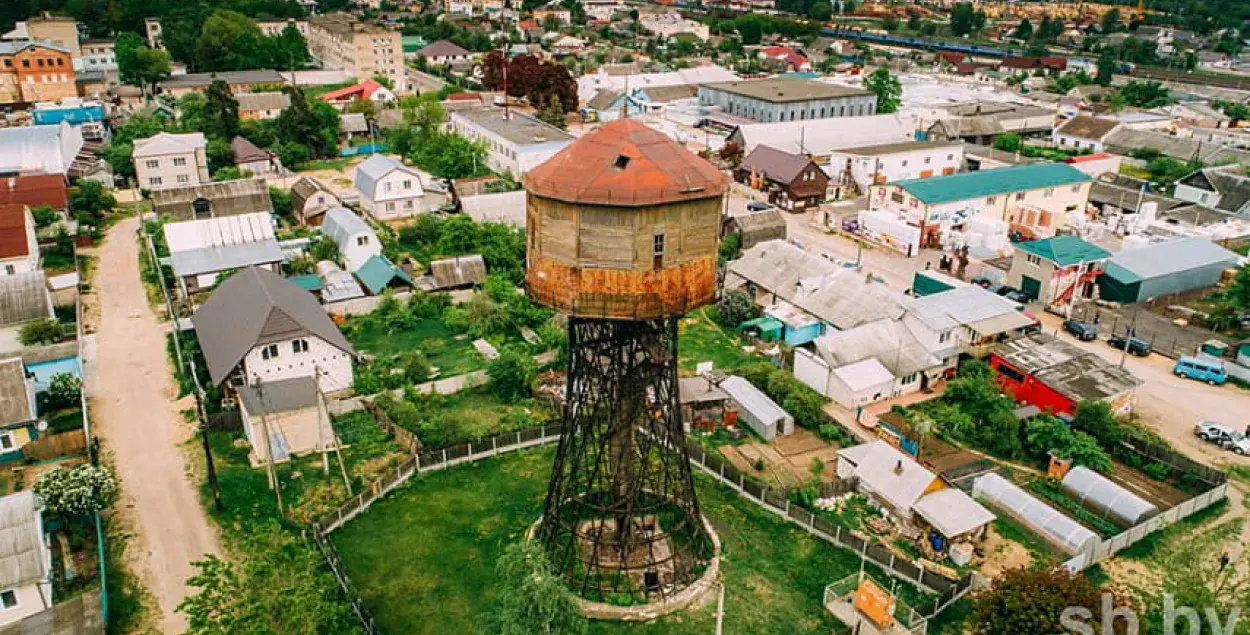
1064 251
412 43
378 272
966 185
307 282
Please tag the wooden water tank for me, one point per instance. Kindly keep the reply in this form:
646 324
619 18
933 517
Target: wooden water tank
623 224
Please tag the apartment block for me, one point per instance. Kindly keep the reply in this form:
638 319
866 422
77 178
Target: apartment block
362 49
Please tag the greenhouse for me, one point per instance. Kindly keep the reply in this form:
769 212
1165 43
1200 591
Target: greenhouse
1063 532
1101 495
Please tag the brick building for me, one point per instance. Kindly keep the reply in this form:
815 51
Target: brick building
35 71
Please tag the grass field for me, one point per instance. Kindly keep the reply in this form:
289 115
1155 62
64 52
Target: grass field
432 337
470 415
423 559
703 340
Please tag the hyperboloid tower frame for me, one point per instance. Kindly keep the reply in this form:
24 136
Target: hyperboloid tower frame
622 233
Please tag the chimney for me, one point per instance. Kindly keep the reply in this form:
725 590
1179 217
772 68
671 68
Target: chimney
898 468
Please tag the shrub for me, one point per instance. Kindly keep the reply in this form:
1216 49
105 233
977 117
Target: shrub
77 491
734 308
44 215
1157 471
64 390
416 367
512 375
759 465
46 331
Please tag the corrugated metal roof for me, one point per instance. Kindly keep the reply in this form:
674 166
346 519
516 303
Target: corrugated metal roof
886 340
22 554
985 312
378 273
864 374
1167 258
1064 251
885 472
24 297
969 185
626 163
219 232
754 401
50 148
203 260
252 307
504 207
952 512
458 272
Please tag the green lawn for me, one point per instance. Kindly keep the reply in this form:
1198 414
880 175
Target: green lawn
64 420
449 527
702 340
468 415
432 337
325 164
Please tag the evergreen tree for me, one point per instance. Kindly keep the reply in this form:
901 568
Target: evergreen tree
221 111
887 88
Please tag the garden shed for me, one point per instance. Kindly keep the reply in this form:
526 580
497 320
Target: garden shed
1068 535
455 273
1105 497
757 410
1162 269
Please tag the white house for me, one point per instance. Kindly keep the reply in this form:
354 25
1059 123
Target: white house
389 190
199 250
50 148
356 239
257 326
516 143
443 52
170 160
879 360
25 559
19 249
1084 132
868 165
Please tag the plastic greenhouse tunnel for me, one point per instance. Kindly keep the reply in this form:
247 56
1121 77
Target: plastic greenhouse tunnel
1068 535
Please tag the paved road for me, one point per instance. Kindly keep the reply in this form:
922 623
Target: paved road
134 412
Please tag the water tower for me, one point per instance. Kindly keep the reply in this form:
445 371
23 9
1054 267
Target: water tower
622 231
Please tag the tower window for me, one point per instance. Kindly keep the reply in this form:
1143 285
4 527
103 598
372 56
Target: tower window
621 162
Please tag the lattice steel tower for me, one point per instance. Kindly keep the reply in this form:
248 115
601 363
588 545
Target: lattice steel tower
622 229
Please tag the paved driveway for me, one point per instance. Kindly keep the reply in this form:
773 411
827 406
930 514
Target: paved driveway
134 412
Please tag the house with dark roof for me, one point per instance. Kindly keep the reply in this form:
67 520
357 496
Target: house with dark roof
1084 132
443 52
19 249
311 199
258 327
755 226
1225 188
459 272
1056 63
249 158
1052 270
792 181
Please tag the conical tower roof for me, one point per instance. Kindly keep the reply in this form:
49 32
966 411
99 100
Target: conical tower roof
626 163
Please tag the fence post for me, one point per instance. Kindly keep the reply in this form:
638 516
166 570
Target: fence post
470 455
494 446
444 456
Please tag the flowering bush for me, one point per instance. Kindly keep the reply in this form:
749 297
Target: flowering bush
77 491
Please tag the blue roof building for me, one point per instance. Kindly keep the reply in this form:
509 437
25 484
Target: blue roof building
73 115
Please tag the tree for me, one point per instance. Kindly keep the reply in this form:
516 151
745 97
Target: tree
220 155
511 375
1106 68
45 331
1008 142
553 113
77 491
1024 30
821 12
532 598
1143 95
90 201
281 201
887 88
1030 601
734 308
276 582
64 390
1111 21
750 31
323 247
44 215
221 111
308 124
961 19
229 41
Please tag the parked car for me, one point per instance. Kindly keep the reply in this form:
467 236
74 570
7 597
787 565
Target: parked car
1138 347
1213 432
1017 296
1238 443
1197 368
758 206
1004 290
1083 331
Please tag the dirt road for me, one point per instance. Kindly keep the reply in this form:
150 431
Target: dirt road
134 412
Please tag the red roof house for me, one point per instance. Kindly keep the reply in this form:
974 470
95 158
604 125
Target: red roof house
16 234
33 189
368 89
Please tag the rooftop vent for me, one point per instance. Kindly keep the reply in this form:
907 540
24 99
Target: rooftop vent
898 468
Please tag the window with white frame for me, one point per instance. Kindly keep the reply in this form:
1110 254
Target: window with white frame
6 441
1019 196
1036 261
944 337
152 163
270 351
361 241
299 346
183 178
180 162
156 180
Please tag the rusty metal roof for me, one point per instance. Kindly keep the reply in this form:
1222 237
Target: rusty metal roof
626 163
